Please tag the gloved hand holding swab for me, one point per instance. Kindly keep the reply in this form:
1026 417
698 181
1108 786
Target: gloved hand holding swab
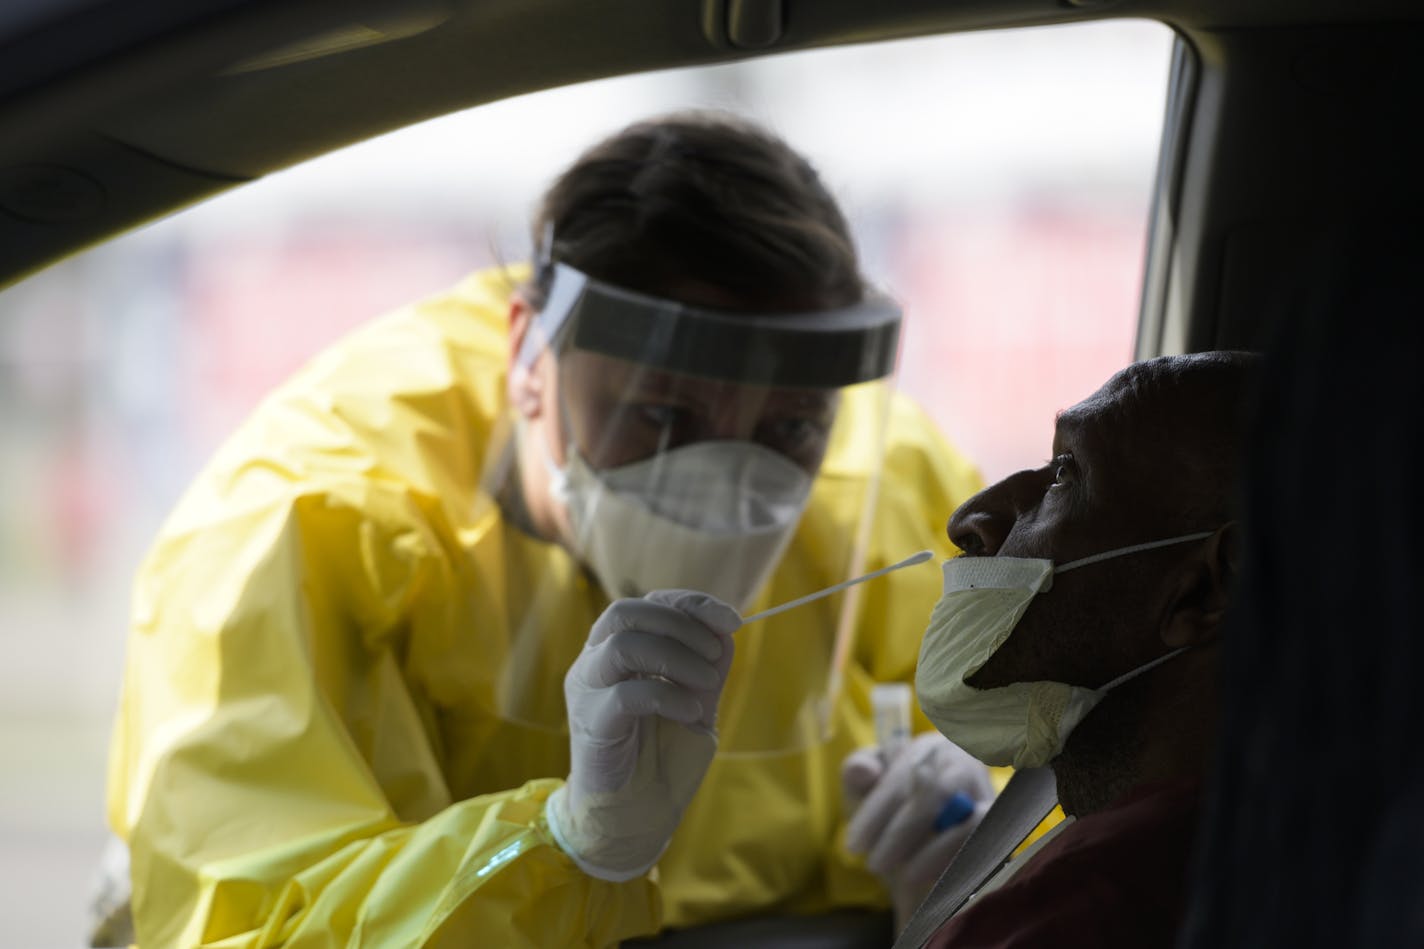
920 557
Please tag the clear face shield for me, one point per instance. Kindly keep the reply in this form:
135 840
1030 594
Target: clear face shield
733 453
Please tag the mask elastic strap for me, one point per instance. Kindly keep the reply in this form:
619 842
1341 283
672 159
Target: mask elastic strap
1145 667
1124 551
558 477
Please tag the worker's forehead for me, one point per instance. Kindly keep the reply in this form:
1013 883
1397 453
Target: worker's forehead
585 371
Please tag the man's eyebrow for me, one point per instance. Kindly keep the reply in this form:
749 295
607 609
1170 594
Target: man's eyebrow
1066 423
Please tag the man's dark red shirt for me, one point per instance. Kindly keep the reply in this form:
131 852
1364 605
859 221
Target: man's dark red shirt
1112 879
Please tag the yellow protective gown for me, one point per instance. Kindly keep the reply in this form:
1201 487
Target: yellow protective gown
309 749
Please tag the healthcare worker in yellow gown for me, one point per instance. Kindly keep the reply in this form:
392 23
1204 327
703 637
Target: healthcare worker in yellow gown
418 659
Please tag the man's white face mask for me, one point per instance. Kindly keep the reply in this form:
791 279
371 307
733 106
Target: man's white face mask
1025 724
714 516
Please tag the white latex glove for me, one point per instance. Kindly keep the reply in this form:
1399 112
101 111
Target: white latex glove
894 806
642 705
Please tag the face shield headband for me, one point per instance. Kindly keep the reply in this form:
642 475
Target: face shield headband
822 349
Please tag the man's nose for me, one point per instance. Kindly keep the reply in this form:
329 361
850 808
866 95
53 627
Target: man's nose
980 525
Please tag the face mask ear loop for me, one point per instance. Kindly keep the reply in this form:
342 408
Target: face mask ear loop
1135 548
558 474
1122 552
571 445
1145 667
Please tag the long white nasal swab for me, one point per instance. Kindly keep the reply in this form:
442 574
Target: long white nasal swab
920 557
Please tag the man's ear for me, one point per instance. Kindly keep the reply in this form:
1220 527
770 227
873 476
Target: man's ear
525 382
1204 587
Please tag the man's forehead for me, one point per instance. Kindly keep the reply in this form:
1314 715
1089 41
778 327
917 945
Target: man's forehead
1081 422
1069 422
1107 412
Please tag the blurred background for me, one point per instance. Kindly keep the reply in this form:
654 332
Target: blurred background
997 184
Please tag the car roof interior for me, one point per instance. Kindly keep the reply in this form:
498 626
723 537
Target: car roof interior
1289 126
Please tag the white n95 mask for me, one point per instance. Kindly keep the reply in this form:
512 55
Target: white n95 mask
1025 724
714 516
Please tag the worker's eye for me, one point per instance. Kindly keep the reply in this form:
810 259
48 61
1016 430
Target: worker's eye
1064 471
793 433
802 440
662 416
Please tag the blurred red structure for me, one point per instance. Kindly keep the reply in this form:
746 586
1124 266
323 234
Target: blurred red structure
1012 317
1011 314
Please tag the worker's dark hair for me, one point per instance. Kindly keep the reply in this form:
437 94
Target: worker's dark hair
1316 806
700 198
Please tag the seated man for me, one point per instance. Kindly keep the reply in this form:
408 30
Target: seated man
1080 631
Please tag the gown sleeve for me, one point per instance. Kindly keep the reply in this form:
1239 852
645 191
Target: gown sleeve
277 767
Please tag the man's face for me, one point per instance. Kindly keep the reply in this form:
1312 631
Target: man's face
620 412
1096 493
